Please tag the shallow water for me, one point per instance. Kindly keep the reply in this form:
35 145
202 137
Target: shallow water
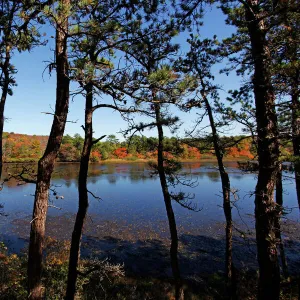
131 207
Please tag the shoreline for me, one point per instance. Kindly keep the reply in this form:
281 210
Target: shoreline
138 160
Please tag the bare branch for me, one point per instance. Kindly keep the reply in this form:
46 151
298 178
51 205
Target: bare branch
99 139
96 197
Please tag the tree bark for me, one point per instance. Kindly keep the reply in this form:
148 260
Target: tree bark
226 200
46 163
6 79
83 195
2 105
268 156
179 295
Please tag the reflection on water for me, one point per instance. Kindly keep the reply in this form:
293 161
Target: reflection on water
131 199
114 172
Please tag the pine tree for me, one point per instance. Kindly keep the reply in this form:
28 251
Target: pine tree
18 33
46 163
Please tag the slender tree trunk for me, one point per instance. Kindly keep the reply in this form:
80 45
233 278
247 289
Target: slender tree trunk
46 163
5 86
279 202
2 107
226 200
279 188
83 195
268 156
168 204
226 194
296 130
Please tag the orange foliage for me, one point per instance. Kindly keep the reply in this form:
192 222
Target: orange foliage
193 152
233 151
141 156
168 155
151 154
121 152
243 150
95 156
22 146
246 153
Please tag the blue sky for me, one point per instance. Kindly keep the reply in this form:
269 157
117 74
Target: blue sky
35 93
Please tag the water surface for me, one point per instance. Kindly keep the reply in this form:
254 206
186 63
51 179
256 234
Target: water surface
131 208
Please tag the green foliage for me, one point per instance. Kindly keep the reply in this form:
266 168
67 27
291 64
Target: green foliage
162 76
17 34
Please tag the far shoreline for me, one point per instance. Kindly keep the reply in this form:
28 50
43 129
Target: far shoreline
138 160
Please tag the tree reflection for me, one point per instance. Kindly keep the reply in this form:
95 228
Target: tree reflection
213 176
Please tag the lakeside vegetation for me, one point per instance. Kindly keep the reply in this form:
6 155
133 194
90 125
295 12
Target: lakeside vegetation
29 148
111 283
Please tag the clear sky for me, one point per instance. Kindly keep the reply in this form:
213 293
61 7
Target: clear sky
35 93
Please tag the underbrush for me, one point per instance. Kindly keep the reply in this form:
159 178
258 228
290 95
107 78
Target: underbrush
101 279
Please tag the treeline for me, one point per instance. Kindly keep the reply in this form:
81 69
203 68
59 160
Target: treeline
29 148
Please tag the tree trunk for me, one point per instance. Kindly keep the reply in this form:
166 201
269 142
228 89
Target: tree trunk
296 131
226 200
179 295
46 163
83 195
279 202
2 107
279 188
268 155
5 86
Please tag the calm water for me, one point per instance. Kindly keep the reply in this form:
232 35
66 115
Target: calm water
131 203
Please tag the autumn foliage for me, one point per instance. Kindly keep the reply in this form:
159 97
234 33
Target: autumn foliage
95 156
241 150
22 147
121 152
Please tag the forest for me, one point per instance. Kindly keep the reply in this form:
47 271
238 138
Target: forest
151 63
25 148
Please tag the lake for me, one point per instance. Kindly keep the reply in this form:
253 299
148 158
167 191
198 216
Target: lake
129 220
